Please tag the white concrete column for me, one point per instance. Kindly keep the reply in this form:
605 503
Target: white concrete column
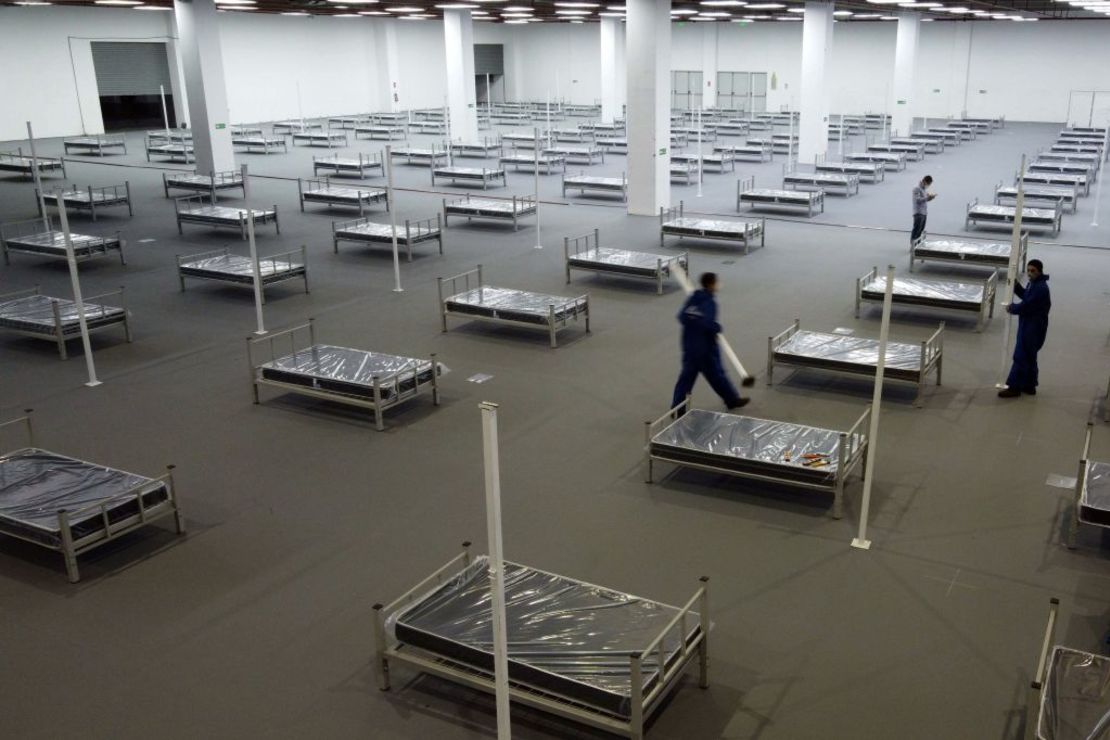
622 69
709 64
961 70
610 37
387 61
648 51
203 65
813 125
177 72
462 97
905 63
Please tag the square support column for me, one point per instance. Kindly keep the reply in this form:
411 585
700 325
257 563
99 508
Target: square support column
709 65
622 69
388 65
813 125
462 97
203 68
648 52
905 64
610 79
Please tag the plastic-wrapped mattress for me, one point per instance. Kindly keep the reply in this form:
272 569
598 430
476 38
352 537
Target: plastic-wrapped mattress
515 305
35 313
1094 501
916 291
621 260
350 371
489 206
54 243
716 228
36 484
850 354
236 268
567 638
1075 704
995 254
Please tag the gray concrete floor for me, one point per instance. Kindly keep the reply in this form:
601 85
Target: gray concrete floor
301 515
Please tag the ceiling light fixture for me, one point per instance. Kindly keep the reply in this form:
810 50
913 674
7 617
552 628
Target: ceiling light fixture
724 3
842 13
457 6
298 14
576 5
514 22
32 3
572 12
714 14
361 12
150 7
766 6
403 9
119 2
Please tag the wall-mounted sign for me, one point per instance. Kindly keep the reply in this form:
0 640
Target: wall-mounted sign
900 102
220 126
663 151
936 89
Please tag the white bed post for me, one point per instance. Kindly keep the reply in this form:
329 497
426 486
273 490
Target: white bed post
38 180
489 95
75 281
536 177
1011 275
700 163
840 139
300 107
393 215
496 567
1098 188
257 272
165 113
861 542
548 121
789 144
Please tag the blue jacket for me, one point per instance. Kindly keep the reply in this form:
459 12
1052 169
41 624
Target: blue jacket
699 324
1032 312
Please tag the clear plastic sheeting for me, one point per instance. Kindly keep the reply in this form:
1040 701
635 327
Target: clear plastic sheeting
36 484
475 172
1040 192
224 214
838 349
480 206
1075 704
36 313
54 243
234 265
622 260
795 449
524 305
351 371
1007 213
946 248
917 290
710 226
1094 503
615 183
353 195
798 196
374 232
231 179
85 197
565 637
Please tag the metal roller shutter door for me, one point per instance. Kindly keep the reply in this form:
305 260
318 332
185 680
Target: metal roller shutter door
130 68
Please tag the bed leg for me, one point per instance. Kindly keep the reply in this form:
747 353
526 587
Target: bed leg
636 717
838 498
68 552
381 662
770 360
551 325
1073 528
703 649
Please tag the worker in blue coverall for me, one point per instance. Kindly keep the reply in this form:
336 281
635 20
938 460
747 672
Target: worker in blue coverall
1032 313
700 353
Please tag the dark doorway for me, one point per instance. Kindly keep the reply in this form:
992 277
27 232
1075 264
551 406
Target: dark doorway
130 79
122 112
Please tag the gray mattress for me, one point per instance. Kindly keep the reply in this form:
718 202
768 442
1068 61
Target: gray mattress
596 182
744 444
235 268
858 355
193 181
332 194
469 172
567 638
85 198
224 214
349 371
371 231
770 194
1076 699
1094 503
490 207
713 228
513 305
625 261
999 213
36 484
950 293
995 254
35 314
53 243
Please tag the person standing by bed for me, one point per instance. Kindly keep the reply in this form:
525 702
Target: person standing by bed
921 198
700 352
1032 313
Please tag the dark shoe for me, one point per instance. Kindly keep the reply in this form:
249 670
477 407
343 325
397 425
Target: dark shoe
1009 393
739 403
1030 391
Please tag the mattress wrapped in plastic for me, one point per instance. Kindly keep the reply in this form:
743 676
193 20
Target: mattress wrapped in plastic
950 293
490 206
621 260
840 352
515 305
972 251
351 371
1007 213
36 484
1076 700
565 637
717 228
54 243
1094 502
35 313
239 269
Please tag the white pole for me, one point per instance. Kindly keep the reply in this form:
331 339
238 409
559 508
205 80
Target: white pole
165 113
489 94
257 272
700 164
746 378
789 144
447 127
1098 188
840 139
393 216
1012 275
548 121
300 107
75 282
536 179
38 180
496 568
861 542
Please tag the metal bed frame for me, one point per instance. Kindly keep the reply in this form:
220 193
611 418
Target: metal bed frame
175 148
71 544
185 212
346 122
91 198
390 117
1077 148
483 175
96 318
1081 513
852 453
583 182
339 166
522 139
320 190
420 157
721 161
1081 183
254 142
17 161
484 149
934 143
293 271
428 127
376 403
914 153
13 238
571 135
701 228
984 312
1056 195
197 183
644 704
708 133
847 184
684 171
678 139
895 161
965 127
290 127
546 162
1091 159
613 144
1030 219
747 152
1085 169
519 206
931 360
746 192
554 321
573 247
385 131
921 252
244 130
96 143
873 171
578 154
950 137
321 138
412 232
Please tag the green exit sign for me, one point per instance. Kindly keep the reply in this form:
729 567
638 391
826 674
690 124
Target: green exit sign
221 126
662 151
